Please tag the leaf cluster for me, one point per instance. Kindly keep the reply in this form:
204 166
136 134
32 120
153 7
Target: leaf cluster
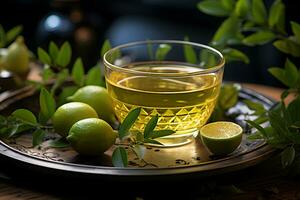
283 131
137 139
7 37
56 62
250 23
23 120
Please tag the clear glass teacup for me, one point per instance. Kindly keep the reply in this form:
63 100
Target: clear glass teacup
177 80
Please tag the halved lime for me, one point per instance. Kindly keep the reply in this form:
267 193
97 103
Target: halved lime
221 138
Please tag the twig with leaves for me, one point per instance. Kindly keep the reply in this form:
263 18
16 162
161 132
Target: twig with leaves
135 139
282 123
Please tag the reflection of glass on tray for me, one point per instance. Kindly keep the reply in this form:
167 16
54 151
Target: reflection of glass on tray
183 94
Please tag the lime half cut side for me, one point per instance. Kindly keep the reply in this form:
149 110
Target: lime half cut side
221 138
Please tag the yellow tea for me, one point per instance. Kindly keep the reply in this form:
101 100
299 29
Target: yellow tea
183 104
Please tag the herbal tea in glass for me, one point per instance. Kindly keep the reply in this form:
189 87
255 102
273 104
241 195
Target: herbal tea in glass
181 93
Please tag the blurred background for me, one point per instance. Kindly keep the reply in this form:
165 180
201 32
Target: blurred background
87 23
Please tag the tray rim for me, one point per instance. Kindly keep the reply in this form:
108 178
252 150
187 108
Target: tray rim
246 161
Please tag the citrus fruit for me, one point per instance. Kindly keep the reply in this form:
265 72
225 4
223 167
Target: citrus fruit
66 115
91 136
17 57
221 138
98 98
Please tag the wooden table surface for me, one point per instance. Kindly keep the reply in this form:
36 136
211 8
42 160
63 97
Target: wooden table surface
264 181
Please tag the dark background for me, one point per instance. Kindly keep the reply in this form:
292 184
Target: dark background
86 24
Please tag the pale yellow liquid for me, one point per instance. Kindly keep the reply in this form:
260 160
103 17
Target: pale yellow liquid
182 104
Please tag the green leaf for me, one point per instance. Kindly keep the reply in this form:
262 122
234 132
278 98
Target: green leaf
64 55
65 93
150 126
261 119
189 53
38 137
291 73
151 141
61 77
278 73
279 124
214 7
257 107
277 16
255 136
128 122
259 12
160 133
47 73
25 115
119 157
94 77
259 38
285 114
229 29
228 96
2 119
47 104
296 30
2 37
162 51
257 126
284 94
241 8
13 33
105 47
288 46
139 151
78 72
207 58
15 130
235 55
293 109
53 51
288 76
296 124
59 143
12 131
43 56
228 4
287 156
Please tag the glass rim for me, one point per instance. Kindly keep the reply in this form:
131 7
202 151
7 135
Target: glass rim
145 42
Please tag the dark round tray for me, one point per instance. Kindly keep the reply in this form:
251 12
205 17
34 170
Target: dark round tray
191 160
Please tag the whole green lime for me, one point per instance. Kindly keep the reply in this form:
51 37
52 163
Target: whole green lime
221 138
91 137
17 57
98 98
68 114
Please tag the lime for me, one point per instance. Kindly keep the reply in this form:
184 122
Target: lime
17 57
91 136
66 115
98 98
221 138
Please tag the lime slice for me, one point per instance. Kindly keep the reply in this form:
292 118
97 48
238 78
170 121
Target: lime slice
221 138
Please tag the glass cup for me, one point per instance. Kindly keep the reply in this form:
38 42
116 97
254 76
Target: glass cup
177 80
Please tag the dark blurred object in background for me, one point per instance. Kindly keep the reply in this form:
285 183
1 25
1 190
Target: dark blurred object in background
86 24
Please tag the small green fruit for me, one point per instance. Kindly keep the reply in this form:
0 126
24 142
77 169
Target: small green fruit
70 113
91 137
98 98
17 58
